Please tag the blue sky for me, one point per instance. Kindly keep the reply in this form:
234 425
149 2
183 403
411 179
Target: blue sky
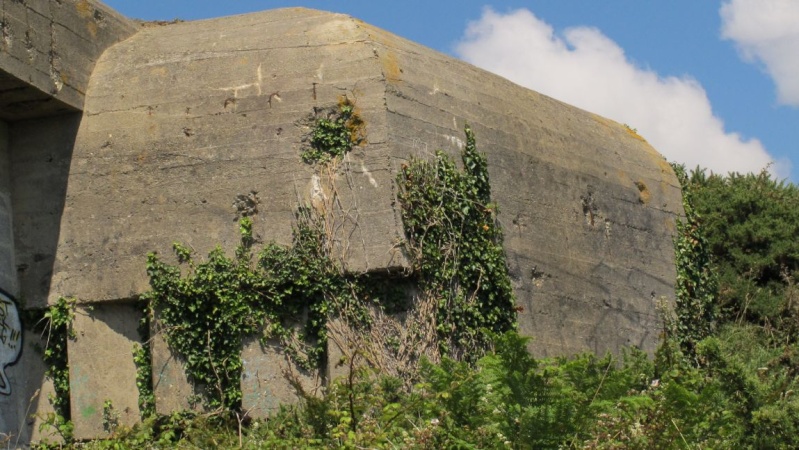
714 83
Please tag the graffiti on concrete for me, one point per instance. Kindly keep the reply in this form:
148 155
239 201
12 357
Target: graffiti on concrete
10 338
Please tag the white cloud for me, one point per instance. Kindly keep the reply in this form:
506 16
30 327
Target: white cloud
585 68
767 31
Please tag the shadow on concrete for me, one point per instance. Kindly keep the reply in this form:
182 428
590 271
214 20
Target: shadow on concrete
41 154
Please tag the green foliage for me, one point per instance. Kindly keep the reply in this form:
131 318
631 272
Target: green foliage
110 417
739 230
507 400
144 381
142 358
456 245
334 135
719 380
209 310
58 330
716 404
725 376
752 224
697 285
761 379
54 326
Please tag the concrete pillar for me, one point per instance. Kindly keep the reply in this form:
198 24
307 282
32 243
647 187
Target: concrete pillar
8 273
10 327
102 374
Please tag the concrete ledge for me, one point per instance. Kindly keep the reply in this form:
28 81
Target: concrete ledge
49 51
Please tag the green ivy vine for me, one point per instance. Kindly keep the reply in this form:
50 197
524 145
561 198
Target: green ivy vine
456 245
209 310
289 292
143 359
54 325
697 284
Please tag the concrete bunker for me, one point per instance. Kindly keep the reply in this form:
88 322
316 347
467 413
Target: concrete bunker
140 136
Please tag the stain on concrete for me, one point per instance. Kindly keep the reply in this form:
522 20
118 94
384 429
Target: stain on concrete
88 412
644 196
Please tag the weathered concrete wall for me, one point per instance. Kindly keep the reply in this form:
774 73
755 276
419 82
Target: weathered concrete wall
587 206
267 378
48 52
171 387
183 118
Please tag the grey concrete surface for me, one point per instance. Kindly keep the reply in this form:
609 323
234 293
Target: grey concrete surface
589 254
171 387
48 52
270 378
8 272
212 110
41 158
101 368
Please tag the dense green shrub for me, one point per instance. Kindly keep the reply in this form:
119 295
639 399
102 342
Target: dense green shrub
752 225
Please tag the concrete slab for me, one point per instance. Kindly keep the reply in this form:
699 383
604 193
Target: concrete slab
343 350
171 386
8 273
192 149
101 368
182 119
270 378
41 160
589 258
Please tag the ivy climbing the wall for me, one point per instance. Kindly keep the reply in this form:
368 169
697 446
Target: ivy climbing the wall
143 359
697 283
210 307
456 245
54 326
208 311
